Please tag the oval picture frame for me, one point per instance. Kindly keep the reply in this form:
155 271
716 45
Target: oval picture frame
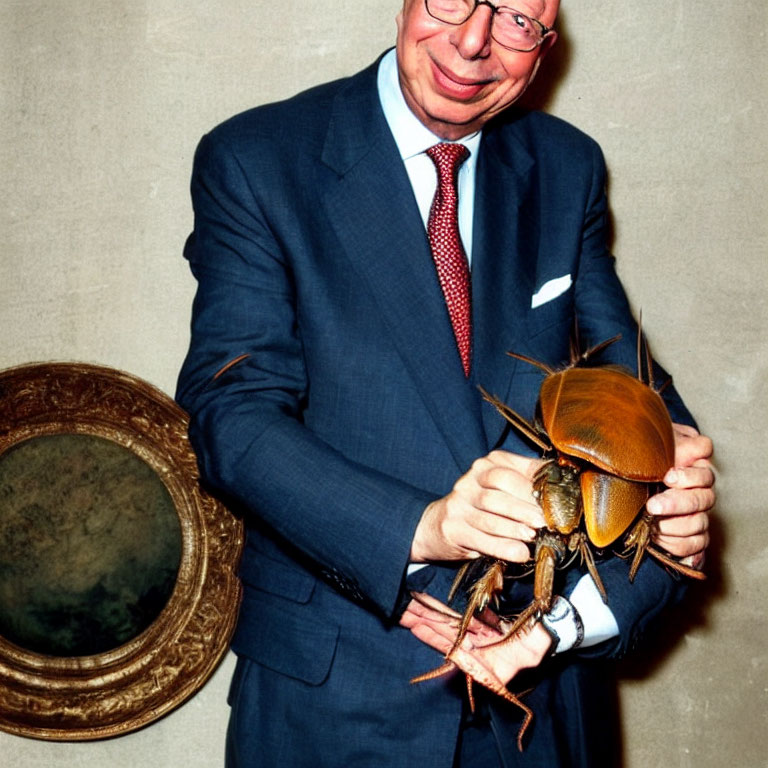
110 693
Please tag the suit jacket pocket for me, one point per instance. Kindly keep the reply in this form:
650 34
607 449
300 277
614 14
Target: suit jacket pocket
279 627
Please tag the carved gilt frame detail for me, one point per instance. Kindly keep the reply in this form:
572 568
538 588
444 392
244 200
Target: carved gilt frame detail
112 693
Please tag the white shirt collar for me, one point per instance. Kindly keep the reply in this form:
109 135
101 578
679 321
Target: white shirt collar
411 135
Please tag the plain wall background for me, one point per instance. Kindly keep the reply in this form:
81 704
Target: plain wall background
102 105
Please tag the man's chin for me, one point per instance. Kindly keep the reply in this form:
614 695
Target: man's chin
454 124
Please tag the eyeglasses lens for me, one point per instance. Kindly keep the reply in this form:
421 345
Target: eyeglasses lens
511 28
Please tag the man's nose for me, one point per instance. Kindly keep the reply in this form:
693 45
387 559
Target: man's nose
473 37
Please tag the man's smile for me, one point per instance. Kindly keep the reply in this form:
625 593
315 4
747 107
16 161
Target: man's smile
453 85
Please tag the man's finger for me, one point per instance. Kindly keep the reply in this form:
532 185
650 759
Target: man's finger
681 502
509 498
689 448
683 525
700 475
525 465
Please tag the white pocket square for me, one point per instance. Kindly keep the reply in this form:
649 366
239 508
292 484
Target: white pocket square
551 290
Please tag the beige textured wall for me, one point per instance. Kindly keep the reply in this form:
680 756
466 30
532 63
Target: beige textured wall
102 106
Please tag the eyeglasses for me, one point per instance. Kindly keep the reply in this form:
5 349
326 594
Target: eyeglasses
509 28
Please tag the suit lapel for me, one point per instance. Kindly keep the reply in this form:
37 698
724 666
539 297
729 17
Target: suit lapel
504 264
372 209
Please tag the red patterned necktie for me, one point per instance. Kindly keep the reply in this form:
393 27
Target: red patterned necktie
447 251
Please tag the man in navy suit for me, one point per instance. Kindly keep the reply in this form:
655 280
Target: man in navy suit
330 405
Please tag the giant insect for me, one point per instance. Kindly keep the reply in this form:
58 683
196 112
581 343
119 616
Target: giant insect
608 440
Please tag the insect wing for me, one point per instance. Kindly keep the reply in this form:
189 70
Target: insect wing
610 505
610 419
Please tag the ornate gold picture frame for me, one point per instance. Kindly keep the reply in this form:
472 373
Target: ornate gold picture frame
118 587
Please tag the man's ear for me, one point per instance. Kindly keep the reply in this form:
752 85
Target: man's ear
545 47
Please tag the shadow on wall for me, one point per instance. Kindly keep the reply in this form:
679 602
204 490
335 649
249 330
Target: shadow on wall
693 614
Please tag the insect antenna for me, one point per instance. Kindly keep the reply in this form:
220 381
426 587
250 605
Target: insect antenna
642 343
600 347
649 363
573 342
543 366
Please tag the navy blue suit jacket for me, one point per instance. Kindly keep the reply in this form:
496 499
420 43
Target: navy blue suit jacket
346 411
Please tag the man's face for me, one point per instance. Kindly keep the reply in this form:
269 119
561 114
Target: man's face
456 78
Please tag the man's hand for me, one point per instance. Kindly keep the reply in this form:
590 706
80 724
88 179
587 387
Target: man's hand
480 654
683 509
490 511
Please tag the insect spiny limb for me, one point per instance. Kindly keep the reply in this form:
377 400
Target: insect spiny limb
636 560
435 605
526 720
521 623
470 692
482 592
477 673
589 559
675 565
458 579
443 669
638 539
